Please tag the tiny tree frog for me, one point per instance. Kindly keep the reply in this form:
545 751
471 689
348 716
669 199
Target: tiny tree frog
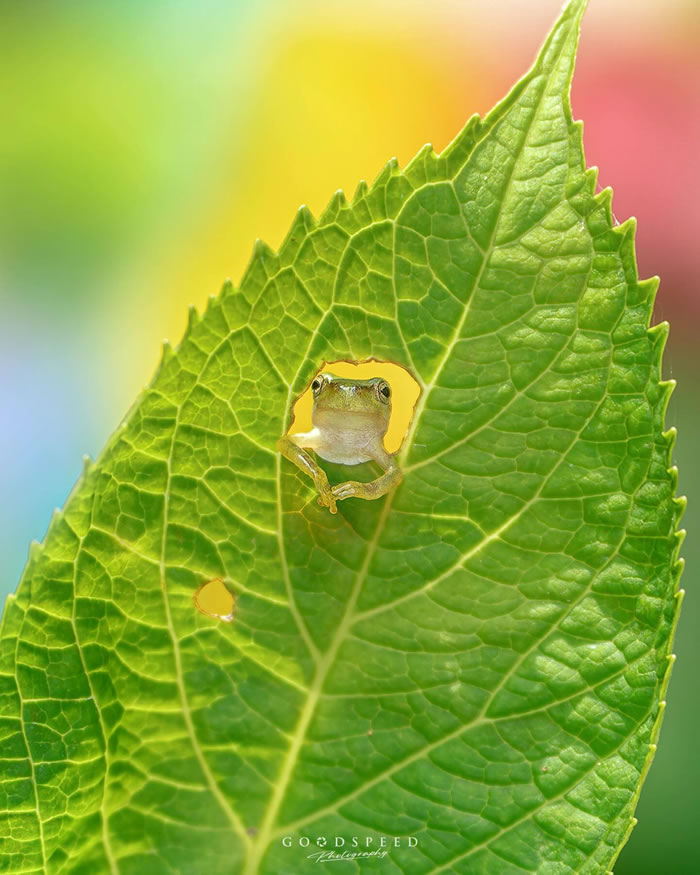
350 419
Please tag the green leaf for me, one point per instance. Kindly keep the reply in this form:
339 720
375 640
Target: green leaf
479 659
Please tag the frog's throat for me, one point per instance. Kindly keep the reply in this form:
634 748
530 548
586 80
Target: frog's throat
371 422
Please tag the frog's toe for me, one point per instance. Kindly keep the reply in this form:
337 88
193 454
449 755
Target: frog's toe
328 500
345 490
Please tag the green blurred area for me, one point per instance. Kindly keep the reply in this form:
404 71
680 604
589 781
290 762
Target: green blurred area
664 840
112 122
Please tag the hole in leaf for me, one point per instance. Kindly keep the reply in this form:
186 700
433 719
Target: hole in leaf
404 394
214 599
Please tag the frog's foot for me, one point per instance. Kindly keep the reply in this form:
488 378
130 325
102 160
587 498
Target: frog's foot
350 489
325 494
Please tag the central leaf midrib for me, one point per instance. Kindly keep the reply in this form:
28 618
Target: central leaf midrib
324 667
311 703
482 717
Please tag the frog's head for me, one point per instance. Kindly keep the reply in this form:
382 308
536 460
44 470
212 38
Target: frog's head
351 404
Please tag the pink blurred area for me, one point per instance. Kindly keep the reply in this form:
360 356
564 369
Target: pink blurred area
641 106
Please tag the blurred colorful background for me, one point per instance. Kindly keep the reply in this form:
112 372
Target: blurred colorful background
145 146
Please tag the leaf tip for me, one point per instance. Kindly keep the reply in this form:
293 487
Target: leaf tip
558 53
573 9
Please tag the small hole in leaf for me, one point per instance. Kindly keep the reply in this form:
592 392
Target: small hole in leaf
403 391
214 599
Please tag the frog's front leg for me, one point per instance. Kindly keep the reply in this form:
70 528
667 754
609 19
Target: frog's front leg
391 477
292 448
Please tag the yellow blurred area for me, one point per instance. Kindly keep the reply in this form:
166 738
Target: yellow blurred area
327 109
404 395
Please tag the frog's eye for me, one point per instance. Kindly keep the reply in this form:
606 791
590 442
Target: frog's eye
384 392
316 386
